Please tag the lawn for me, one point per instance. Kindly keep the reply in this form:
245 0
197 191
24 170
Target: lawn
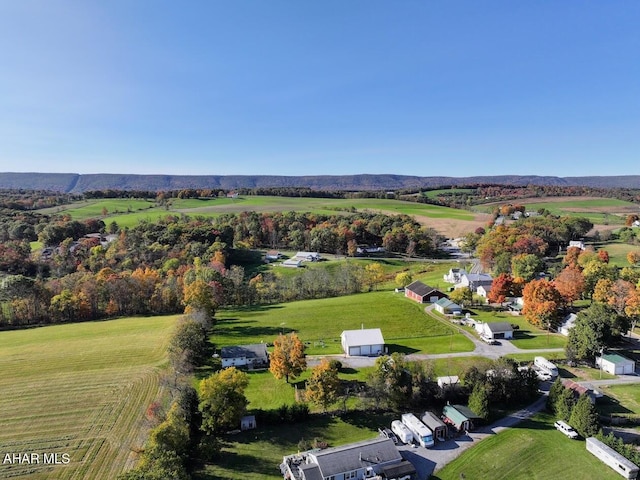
257 454
532 450
622 399
319 324
618 252
80 389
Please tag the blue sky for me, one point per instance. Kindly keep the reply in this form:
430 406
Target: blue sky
309 88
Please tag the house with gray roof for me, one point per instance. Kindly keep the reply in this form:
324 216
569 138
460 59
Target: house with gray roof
495 330
474 280
358 461
251 356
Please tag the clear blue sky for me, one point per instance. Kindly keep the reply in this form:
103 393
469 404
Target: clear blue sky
324 87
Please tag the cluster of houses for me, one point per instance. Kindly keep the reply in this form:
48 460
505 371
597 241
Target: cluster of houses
48 252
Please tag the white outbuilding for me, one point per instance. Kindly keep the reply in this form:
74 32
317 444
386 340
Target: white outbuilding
364 342
616 364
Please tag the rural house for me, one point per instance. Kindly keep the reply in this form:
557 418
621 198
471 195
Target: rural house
307 256
364 342
250 356
454 274
567 324
580 390
422 293
357 461
474 280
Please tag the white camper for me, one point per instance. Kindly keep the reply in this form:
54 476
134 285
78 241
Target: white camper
420 431
610 457
544 365
402 432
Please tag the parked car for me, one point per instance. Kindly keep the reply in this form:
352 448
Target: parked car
566 429
387 433
488 340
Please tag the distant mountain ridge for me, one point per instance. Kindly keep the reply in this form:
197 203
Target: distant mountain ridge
77 183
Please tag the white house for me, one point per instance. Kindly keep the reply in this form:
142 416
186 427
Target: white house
474 280
272 255
375 458
567 324
448 381
307 256
251 356
454 274
495 330
616 364
576 244
483 290
364 342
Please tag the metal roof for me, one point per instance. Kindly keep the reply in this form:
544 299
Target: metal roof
357 338
369 453
256 350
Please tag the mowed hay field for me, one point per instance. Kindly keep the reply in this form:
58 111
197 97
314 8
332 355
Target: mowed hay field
80 389
128 212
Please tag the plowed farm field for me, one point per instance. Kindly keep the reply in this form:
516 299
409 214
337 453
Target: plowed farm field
74 396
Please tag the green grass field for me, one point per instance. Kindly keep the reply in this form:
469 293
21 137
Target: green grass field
532 450
319 323
624 399
80 389
128 212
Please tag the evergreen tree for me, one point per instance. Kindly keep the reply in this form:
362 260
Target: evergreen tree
479 401
584 417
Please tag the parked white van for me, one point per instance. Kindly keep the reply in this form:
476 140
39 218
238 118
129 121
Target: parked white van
566 429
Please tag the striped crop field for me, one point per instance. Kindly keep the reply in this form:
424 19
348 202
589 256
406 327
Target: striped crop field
79 391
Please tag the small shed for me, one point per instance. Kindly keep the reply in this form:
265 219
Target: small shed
364 342
437 426
292 263
460 417
447 307
248 422
616 364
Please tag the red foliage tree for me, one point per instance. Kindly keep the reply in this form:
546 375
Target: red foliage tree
541 302
501 288
570 283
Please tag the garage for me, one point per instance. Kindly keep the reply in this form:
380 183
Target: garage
616 364
364 342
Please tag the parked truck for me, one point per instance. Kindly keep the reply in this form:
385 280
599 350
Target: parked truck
422 433
402 432
543 365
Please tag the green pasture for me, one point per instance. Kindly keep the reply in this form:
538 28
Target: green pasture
618 252
319 324
80 389
447 191
533 449
622 399
256 454
128 212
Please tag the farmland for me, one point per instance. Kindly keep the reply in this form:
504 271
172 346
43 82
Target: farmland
128 212
531 450
80 389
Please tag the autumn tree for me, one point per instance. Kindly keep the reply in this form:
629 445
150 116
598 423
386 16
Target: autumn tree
199 296
287 359
374 275
570 284
571 257
633 257
603 255
323 387
501 288
541 302
403 279
461 296
222 400
391 380
525 266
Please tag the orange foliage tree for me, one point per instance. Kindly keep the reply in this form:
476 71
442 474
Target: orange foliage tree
287 359
541 302
570 284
